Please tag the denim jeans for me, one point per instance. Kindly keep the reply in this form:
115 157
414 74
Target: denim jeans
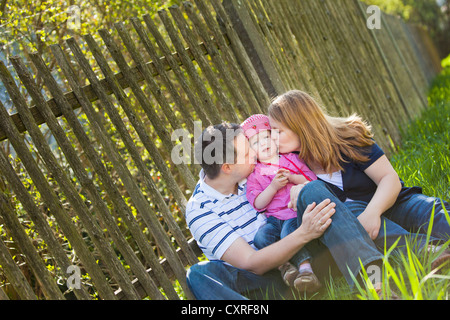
276 229
215 280
413 213
347 241
390 232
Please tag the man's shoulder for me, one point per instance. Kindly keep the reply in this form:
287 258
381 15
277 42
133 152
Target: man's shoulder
199 202
196 199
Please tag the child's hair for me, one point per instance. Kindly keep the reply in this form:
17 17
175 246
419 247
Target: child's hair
323 139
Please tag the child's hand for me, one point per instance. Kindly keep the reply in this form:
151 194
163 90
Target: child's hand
280 180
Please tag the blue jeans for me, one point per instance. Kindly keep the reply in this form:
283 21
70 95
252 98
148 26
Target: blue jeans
276 229
345 240
215 280
413 213
390 232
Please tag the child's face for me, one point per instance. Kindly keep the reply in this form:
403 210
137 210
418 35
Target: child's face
264 143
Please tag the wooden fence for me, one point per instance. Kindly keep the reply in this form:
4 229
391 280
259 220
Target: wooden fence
88 188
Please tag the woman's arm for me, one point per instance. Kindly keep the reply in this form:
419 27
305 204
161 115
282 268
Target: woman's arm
388 188
316 220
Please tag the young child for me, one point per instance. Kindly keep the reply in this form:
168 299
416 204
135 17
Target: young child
268 191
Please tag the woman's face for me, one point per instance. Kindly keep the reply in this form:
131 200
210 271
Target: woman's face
288 141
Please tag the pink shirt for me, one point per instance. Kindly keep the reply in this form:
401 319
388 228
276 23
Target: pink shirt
262 176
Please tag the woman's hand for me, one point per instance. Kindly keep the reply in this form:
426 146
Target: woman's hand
295 191
371 222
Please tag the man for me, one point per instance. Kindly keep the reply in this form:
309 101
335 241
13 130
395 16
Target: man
224 224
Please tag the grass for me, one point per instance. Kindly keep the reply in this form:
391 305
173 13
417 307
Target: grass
422 160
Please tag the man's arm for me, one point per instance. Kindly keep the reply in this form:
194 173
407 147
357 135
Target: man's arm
316 220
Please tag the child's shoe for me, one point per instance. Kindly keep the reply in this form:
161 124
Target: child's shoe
306 281
289 273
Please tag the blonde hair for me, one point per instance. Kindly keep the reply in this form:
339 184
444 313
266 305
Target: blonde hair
324 140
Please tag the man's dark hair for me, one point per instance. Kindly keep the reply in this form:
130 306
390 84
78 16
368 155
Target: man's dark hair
216 147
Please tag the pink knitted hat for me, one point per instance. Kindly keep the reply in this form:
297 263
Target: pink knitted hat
254 124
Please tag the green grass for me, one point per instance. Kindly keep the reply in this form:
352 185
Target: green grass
422 160
424 157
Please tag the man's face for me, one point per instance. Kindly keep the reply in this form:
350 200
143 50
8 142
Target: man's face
245 158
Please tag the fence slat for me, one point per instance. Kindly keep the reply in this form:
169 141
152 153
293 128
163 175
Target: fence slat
212 78
417 107
137 125
210 107
219 62
242 57
153 190
41 224
94 231
121 207
135 192
203 100
154 89
102 211
163 134
31 256
15 276
93 117
261 19
51 199
196 103
3 295
164 210
225 52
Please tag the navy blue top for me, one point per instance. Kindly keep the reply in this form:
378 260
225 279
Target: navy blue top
357 185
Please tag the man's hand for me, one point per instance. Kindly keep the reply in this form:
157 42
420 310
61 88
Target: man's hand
316 219
295 191
370 222
280 180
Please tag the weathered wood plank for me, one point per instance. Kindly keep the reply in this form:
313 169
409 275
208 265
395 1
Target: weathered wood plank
34 261
40 222
130 184
137 74
102 212
15 276
48 194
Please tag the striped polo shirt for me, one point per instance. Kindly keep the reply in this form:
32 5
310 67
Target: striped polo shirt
217 220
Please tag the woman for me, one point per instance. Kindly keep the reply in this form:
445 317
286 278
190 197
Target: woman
341 152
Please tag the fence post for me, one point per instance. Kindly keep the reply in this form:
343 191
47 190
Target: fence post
254 46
